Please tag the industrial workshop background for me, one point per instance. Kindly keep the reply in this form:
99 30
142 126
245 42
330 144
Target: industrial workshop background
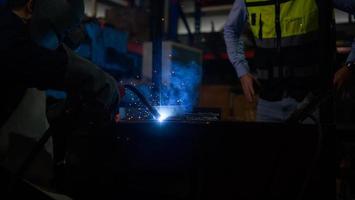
185 129
125 26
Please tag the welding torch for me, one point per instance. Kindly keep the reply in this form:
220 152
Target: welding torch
309 107
142 98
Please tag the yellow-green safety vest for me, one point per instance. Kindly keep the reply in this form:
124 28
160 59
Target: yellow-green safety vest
283 23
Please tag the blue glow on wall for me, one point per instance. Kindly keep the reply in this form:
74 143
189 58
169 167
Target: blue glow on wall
177 98
107 47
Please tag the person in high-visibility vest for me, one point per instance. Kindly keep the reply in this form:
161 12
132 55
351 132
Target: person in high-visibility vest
285 34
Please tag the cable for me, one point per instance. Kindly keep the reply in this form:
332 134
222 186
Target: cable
299 116
35 151
313 118
152 110
315 160
29 160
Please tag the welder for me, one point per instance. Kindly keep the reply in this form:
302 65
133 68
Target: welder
33 59
286 59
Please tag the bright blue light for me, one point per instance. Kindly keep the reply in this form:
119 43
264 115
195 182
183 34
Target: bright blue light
183 86
162 118
165 112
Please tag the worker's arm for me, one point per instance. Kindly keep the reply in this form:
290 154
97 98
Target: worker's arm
61 69
233 29
35 66
343 75
351 57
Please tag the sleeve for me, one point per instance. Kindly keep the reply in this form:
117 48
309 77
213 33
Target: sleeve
233 29
35 66
351 57
62 69
349 7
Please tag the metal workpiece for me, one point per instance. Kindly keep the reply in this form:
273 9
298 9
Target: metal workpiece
145 102
195 160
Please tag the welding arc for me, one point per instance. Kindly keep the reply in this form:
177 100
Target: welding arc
142 98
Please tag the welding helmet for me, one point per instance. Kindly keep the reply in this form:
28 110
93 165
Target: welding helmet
53 19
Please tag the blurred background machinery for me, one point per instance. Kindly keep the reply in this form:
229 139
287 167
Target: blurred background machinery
117 31
173 52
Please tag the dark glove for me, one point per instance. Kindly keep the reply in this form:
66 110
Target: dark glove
94 90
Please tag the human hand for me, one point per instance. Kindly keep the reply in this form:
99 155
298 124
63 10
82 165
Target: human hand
342 77
247 82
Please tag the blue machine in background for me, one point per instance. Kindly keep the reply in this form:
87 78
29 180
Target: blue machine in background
174 93
107 47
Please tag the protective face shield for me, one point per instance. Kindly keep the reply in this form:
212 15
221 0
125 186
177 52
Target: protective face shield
52 19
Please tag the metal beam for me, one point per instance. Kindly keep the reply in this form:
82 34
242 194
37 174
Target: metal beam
94 8
184 20
326 58
174 15
198 15
157 34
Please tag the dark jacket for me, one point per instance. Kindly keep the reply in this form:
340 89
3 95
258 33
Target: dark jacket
24 64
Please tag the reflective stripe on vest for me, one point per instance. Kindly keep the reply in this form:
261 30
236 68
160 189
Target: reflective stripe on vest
298 21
